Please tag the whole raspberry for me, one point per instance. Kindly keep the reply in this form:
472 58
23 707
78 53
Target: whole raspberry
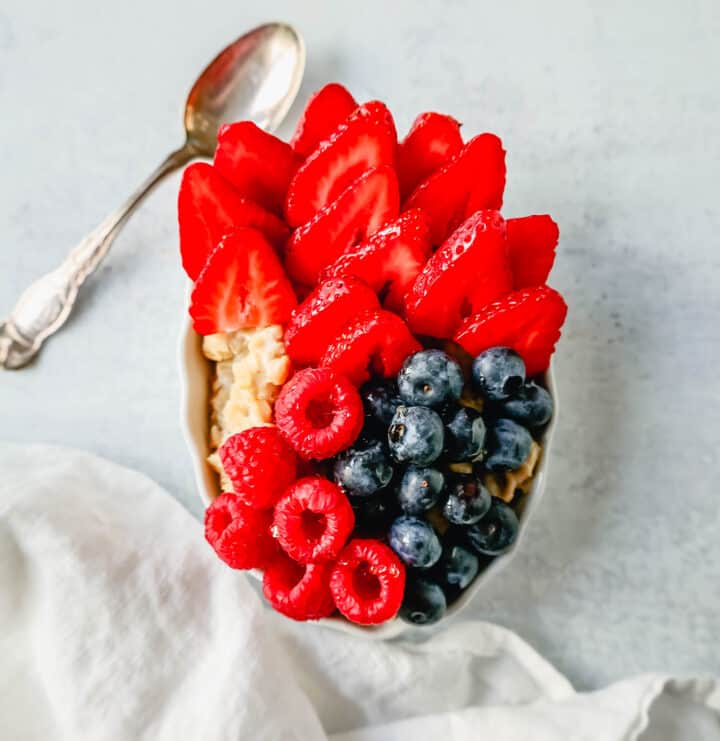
368 582
239 534
319 412
300 592
260 465
313 520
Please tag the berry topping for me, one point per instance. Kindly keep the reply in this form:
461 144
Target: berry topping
420 489
208 208
496 532
529 321
259 464
299 591
362 471
531 406
468 500
380 400
366 139
464 435
415 541
319 413
321 316
498 373
325 111
416 435
239 534
531 248
508 446
373 341
430 378
368 582
470 270
358 212
424 602
457 568
313 520
243 285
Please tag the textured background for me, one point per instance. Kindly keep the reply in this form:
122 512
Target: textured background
610 113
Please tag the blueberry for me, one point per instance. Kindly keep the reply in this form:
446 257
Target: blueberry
465 435
419 489
508 445
468 500
498 373
363 471
415 542
457 567
424 602
416 435
380 400
429 378
374 514
532 405
496 532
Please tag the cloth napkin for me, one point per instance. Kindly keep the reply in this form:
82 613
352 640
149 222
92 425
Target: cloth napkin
118 623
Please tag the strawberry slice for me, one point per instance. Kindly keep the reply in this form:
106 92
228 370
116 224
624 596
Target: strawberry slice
471 180
469 270
321 316
360 210
372 342
432 140
324 112
390 260
365 140
208 208
242 285
531 247
528 320
258 164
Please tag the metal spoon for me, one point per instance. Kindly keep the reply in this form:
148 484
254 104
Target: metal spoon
257 77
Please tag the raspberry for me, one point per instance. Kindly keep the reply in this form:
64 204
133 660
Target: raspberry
368 582
260 465
319 413
239 534
300 592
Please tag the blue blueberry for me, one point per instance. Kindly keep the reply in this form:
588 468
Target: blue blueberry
424 602
498 373
496 532
508 445
532 406
457 567
416 435
468 500
429 378
415 542
380 400
419 489
465 435
361 471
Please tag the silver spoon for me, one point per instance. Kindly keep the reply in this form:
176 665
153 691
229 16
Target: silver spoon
257 77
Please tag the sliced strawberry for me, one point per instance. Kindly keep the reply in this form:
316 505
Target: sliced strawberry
242 285
531 247
390 260
360 210
321 316
528 320
373 342
208 208
469 270
324 112
473 179
432 140
258 164
365 140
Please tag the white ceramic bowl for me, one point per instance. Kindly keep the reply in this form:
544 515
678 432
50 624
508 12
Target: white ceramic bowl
195 377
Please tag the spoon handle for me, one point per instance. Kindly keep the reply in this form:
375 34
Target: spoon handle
46 304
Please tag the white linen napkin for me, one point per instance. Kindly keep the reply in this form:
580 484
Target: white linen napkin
118 623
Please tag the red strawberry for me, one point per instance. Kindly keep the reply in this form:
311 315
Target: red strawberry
473 179
360 210
390 260
321 316
298 592
432 140
528 320
365 140
470 270
258 164
531 248
324 112
372 342
242 285
208 208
